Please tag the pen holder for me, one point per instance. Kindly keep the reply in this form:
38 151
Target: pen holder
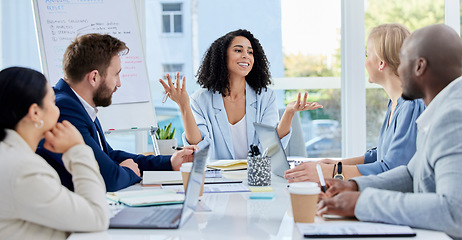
259 171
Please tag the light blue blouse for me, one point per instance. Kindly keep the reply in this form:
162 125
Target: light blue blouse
397 142
211 118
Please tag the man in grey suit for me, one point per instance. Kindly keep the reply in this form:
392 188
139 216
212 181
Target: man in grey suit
428 192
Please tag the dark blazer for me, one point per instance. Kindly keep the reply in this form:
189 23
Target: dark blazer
115 176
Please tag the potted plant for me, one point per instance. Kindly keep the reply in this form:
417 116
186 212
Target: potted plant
165 139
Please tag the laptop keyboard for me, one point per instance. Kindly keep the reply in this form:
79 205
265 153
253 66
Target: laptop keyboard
163 216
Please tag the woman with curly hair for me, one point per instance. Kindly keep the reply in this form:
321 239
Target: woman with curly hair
234 76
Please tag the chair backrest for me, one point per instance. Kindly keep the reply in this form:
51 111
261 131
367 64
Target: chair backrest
296 146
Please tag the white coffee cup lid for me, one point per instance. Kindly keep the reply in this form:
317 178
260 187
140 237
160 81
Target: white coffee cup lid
186 167
304 188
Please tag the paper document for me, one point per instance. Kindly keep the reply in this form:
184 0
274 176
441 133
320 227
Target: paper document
213 188
175 178
146 197
227 165
349 229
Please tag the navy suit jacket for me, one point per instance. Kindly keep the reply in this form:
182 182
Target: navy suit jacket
115 176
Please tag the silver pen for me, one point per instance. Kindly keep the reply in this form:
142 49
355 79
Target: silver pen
166 95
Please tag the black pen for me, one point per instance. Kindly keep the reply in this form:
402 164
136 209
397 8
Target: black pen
177 148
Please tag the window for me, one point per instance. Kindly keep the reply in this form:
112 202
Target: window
412 15
312 64
172 69
172 18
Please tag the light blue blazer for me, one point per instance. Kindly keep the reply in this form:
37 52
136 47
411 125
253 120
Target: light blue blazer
211 118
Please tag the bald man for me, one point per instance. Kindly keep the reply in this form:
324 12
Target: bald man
428 192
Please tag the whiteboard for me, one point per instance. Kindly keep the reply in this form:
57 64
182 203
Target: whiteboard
59 22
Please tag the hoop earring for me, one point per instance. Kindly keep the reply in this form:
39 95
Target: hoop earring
39 126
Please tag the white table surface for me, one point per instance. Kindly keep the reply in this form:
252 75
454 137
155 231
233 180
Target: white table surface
234 216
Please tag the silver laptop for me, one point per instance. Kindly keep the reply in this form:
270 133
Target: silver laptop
166 216
269 139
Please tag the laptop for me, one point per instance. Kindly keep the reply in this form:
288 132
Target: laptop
269 139
166 216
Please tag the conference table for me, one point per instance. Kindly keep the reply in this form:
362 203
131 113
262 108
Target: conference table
234 216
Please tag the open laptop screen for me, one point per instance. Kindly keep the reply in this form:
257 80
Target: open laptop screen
166 216
269 139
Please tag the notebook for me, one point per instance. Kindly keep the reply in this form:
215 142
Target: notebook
269 139
349 229
150 197
166 216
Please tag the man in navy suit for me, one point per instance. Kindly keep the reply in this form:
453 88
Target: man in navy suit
91 67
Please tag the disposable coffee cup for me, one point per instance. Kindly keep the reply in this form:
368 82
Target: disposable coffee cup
185 170
304 198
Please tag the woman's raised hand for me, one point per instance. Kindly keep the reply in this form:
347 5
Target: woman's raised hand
177 93
300 105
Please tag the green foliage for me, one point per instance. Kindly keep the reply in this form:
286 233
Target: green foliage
299 65
413 14
166 133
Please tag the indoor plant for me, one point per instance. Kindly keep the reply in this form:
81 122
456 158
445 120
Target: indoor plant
165 139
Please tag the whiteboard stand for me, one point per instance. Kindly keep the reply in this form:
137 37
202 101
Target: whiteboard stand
141 144
152 132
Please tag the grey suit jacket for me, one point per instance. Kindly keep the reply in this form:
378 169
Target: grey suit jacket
428 192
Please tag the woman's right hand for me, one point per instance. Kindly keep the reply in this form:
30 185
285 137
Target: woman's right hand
62 137
177 93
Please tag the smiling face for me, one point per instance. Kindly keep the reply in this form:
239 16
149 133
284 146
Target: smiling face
240 57
108 84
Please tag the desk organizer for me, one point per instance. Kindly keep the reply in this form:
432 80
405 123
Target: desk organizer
259 171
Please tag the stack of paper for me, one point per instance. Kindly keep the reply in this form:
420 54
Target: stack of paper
146 197
227 165
162 177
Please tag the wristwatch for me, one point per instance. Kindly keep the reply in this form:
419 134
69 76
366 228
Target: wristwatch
339 174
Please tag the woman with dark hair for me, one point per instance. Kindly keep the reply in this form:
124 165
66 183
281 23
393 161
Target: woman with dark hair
235 76
34 204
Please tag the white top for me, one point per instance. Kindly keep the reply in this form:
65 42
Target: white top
239 136
34 204
92 111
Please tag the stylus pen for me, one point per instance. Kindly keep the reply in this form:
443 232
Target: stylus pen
165 98
321 177
166 95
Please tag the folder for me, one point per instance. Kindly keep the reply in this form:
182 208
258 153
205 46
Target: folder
228 165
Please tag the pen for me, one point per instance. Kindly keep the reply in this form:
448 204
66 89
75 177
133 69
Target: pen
166 96
177 148
321 178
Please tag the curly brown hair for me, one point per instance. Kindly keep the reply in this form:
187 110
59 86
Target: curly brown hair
91 52
213 72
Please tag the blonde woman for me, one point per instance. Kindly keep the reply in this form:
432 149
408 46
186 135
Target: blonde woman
397 140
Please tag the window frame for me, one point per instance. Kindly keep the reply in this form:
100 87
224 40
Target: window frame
171 15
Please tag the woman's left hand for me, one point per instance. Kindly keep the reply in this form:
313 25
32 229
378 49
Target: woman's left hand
300 105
